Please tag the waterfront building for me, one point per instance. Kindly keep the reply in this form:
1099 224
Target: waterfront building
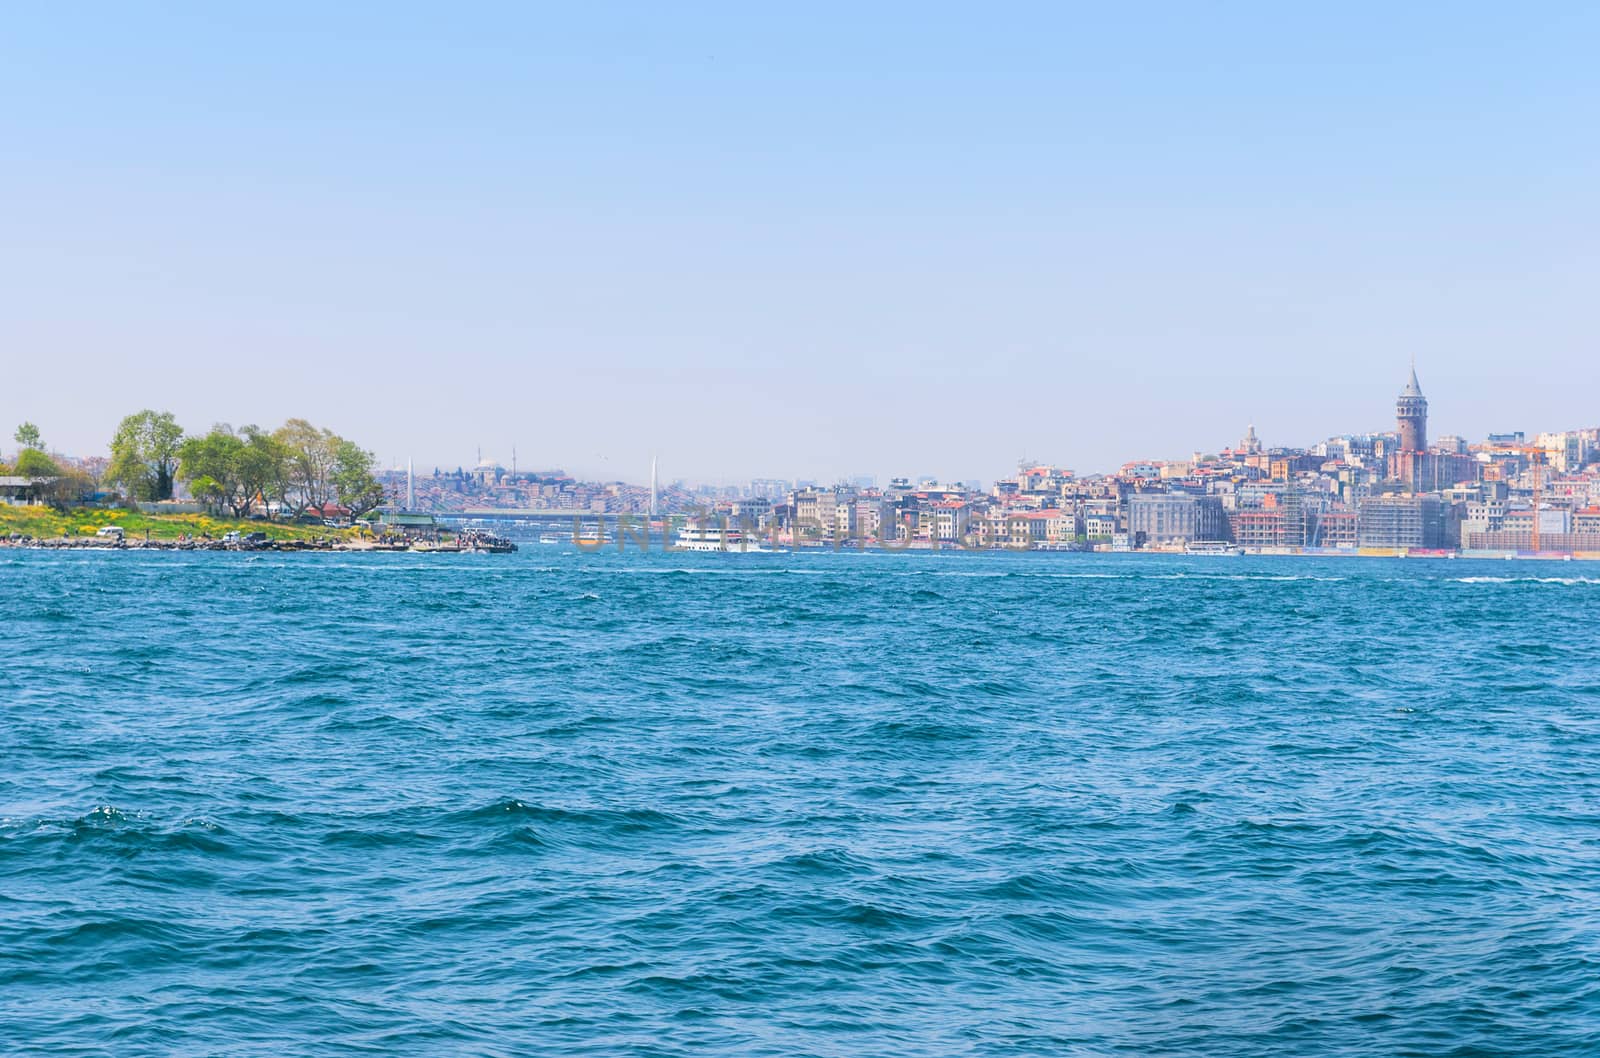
871 514
1001 527
1402 522
1483 516
1023 528
840 517
407 523
1100 526
1552 521
1337 527
1049 527
1176 518
809 505
944 520
1257 528
1277 517
1548 542
17 490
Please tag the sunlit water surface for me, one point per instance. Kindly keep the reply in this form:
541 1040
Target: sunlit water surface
843 805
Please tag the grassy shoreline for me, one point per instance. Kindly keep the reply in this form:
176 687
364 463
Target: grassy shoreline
46 523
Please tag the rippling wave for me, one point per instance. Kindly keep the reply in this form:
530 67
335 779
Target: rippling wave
671 805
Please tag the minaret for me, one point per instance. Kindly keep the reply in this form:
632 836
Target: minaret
652 486
1411 415
411 486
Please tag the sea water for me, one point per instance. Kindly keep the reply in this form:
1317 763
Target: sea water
654 804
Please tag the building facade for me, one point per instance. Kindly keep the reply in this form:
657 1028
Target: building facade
1170 518
1402 522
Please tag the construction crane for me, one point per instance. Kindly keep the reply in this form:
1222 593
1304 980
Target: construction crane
1537 456
1538 491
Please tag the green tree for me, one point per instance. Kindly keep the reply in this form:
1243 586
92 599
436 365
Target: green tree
263 468
211 492
311 456
32 463
234 469
353 481
27 436
210 464
144 454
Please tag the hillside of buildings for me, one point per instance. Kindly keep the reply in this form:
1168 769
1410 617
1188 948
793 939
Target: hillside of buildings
1397 490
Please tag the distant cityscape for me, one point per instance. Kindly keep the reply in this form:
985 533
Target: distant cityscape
1378 493
1396 491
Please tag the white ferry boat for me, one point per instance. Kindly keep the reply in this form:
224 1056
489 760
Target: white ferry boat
711 536
1212 547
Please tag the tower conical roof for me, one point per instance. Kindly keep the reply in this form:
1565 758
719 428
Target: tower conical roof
1412 388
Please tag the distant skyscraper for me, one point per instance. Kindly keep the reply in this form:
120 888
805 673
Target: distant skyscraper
652 486
1411 413
411 487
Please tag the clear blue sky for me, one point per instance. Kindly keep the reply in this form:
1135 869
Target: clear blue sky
817 240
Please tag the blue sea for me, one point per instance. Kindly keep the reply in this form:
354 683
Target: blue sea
855 805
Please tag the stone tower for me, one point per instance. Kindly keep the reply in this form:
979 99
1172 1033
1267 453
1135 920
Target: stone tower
1411 413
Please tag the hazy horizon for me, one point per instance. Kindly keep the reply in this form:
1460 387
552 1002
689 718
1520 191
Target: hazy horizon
796 244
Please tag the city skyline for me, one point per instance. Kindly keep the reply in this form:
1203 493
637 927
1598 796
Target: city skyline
1395 491
1383 492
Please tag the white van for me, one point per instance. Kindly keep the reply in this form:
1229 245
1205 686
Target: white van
110 532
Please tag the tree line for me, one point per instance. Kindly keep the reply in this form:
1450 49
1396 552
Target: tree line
295 467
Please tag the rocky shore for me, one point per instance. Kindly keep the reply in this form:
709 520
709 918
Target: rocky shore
81 543
465 544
